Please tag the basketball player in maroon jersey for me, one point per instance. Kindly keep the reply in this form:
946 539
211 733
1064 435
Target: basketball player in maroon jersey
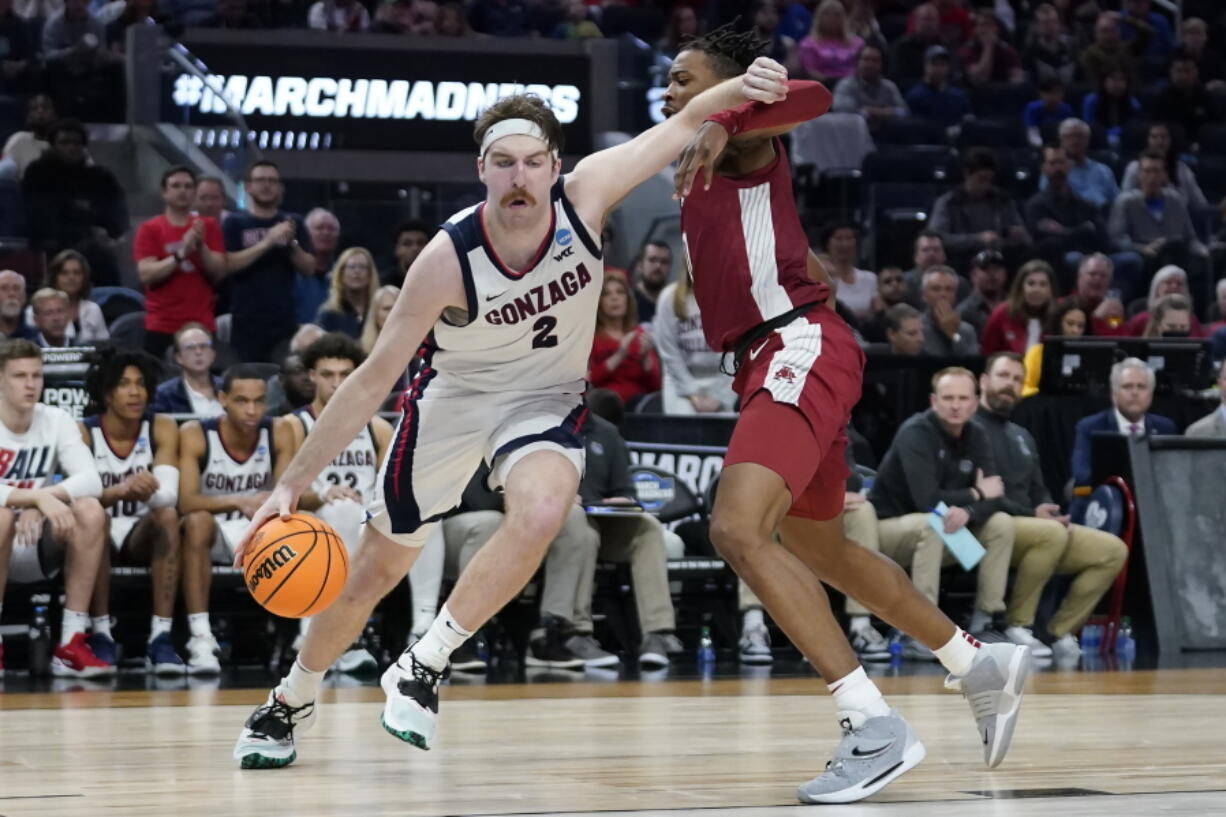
765 298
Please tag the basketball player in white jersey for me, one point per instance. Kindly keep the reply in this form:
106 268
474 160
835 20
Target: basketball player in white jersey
36 515
342 490
227 466
505 297
136 453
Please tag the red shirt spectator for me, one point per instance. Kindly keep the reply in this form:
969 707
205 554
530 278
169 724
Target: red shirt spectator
956 26
623 358
1017 324
186 295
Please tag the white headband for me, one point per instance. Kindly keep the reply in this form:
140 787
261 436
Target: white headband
512 127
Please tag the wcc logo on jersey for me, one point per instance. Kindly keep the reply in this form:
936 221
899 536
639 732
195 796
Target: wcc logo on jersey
25 468
564 238
540 299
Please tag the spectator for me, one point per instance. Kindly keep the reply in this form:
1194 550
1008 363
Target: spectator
781 48
134 12
653 269
269 247
1113 106
1213 424
1067 320
862 22
577 25
955 22
623 360
18 59
1049 109
1217 312
1049 50
905 330
1132 393
1109 52
926 465
945 333
408 241
1210 66
1171 317
1091 180
855 287
1017 324
338 15
692 381
179 257
210 198
928 250
452 21
989 275
1177 171
292 388
1103 305
380 307
352 292
311 289
1137 15
195 390
502 18
1185 101
936 99
867 92
13 323
891 290
987 58
24 146
50 318
233 14
1155 222
74 204
1170 280
910 54
68 272
830 52
977 215
78 62
1044 543
637 539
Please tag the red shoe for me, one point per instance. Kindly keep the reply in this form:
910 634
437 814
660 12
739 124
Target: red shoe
76 660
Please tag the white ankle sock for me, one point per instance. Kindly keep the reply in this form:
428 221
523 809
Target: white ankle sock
102 626
859 623
159 625
72 624
444 636
300 686
753 619
855 692
198 623
958 655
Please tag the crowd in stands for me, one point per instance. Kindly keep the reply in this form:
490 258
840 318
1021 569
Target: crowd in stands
1081 191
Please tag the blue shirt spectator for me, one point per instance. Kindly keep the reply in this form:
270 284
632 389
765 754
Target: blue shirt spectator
1039 113
1091 180
1163 40
935 99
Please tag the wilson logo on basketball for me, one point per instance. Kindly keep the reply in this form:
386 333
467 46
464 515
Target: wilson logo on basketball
279 559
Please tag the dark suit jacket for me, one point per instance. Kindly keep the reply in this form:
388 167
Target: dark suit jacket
1102 422
171 397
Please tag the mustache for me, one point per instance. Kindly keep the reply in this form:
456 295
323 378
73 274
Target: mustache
517 193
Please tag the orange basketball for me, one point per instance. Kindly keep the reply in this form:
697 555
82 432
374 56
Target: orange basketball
296 567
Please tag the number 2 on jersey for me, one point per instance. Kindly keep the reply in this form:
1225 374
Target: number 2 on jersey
544 338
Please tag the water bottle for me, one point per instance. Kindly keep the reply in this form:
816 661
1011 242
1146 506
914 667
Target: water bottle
1091 634
895 644
1125 645
706 651
40 639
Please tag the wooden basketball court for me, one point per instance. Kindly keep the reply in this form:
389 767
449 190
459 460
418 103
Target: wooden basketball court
671 748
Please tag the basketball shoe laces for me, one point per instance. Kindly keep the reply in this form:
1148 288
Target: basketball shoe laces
276 720
423 687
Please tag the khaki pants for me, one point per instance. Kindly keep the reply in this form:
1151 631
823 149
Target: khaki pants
1043 547
566 562
638 540
911 541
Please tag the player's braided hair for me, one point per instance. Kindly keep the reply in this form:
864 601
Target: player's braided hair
730 50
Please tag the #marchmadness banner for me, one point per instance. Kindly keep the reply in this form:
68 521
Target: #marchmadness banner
393 97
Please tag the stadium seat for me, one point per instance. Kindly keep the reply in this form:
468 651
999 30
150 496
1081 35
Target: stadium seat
661 493
117 301
992 134
1210 172
917 164
650 404
1212 139
909 132
129 330
12 210
1002 101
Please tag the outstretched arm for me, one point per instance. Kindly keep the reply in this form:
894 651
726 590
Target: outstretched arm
601 180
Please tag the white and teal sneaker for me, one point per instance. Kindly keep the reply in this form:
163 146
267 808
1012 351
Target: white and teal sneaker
412 700
267 741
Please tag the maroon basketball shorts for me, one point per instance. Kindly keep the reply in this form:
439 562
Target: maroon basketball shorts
797 387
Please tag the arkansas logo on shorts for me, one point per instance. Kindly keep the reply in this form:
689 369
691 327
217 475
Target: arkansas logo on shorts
786 374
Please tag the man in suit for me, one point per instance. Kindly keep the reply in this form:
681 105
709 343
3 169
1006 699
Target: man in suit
1213 425
1132 393
195 391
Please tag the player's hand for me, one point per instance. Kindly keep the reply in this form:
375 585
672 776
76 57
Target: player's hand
703 151
989 487
281 502
58 514
956 519
29 527
765 81
703 404
338 492
140 486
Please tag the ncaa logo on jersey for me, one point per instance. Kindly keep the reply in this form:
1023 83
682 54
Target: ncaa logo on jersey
261 451
563 237
142 443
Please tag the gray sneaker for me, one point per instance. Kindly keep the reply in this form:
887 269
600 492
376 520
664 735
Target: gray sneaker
657 647
868 758
585 646
912 650
994 686
756 646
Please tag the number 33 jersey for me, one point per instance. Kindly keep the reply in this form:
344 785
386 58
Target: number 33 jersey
355 467
526 330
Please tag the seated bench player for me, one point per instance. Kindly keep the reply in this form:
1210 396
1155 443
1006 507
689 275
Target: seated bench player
227 465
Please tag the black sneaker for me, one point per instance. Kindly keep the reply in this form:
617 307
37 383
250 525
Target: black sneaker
467 657
547 648
267 740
